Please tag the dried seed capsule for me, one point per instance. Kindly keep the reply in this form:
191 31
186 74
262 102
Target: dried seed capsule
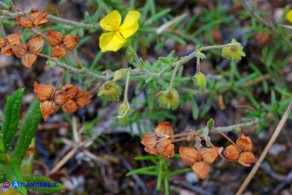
231 153
188 154
244 143
246 159
201 169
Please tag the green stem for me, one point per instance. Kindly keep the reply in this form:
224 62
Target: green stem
127 85
2 30
198 66
173 75
236 126
72 23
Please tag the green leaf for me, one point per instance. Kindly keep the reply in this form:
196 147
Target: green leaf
195 109
210 124
31 122
12 116
13 174
54 186
145 170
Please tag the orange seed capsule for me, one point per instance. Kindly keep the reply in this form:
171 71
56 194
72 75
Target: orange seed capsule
209 155
42 92
36 44
70 41
244 143
149 140
231 153
246 159
58 51
19 49
55 38
201 169
188 154
70 106
165 129
48 108
83 98
28 59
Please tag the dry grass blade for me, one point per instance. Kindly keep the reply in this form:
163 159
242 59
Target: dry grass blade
266 150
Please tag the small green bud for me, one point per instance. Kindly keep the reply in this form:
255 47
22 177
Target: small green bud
110 91
51 64
200 55
169 99
119 74
233 53
165 60
237 129
123 113
200 81
210 124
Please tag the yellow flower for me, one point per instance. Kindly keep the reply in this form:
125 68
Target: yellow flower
289 16
118 34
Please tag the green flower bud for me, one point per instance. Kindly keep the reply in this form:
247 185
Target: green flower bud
200 55
233 53
110 91
169 99
123 113
119 74
51 64
200 81
210 124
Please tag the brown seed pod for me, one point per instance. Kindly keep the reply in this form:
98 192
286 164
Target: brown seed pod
164 129
83 98
231 153
35 18
28 59
165 148
209 155
70 90
55 38
58 51
70 106
244 143
188 154
246 159
36 44
42 92
19 49
70 41
149 140
150 150
48 108
201 169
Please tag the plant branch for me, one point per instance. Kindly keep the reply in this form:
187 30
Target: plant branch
236 126
5 14
127 85
266 150
173 75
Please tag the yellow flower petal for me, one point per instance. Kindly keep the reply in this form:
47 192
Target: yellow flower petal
289 16
111 41
111 22
130 25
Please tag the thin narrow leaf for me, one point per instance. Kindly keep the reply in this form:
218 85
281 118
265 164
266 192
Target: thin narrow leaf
52 186
31 122
12 116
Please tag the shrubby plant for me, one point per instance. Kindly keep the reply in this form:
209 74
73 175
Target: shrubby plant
164 72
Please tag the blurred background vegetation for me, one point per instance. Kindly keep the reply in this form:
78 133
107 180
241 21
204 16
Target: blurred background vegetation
257 87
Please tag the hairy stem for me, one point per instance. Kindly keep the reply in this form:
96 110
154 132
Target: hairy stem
173 76
127 85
